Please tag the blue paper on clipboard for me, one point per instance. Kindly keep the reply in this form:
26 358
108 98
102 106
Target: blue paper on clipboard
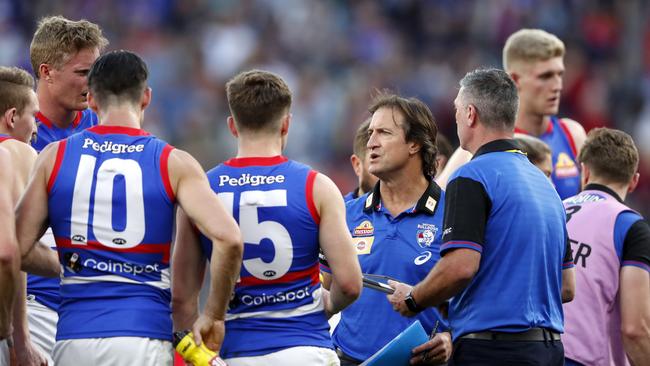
398 351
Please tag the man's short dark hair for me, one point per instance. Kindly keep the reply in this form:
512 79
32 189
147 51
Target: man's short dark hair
258 99
419 126
361 137
494 95
610 154
118 75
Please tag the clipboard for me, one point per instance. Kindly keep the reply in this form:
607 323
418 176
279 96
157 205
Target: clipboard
398 351
376 285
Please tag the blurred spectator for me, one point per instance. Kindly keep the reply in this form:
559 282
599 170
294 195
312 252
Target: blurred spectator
335 54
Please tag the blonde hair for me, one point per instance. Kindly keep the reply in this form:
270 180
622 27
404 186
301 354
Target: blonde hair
57 38
526 45
15 85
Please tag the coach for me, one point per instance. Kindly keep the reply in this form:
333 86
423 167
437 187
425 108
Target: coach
396 228
505 250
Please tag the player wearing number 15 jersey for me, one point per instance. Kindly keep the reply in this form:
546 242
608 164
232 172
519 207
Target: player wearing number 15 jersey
109 194
286 212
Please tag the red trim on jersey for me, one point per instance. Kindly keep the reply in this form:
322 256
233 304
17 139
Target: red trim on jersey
569 137
77 119
122 130
5 138
162 248
57 164
256 161
164 171
312 273
549 129
46 121
309 193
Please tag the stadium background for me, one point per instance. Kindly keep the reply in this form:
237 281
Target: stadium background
334 54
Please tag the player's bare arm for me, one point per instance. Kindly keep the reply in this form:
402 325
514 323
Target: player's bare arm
635 314
577 132
24 157
9 254
31 218
203 207
336 243
188 268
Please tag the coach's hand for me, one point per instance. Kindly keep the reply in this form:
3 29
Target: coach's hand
397 298
434 352
209 330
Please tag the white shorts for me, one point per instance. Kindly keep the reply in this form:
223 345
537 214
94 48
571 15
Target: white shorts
294 356
115 351
42 327
4 353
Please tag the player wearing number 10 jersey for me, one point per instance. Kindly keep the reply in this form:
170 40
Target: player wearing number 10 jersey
109 194
286 212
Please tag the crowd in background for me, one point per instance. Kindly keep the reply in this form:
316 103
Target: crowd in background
335 54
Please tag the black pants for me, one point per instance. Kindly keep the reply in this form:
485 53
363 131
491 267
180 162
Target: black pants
470 352
346 360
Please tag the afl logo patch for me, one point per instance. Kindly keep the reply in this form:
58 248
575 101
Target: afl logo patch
364 229
269 273
78 238
119 241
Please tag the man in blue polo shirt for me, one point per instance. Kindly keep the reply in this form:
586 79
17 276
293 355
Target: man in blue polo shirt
504 245
396 228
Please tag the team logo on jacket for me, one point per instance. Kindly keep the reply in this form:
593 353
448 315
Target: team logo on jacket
364 229
426 234
362 237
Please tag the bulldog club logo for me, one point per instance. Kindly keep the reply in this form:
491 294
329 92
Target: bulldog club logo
426 234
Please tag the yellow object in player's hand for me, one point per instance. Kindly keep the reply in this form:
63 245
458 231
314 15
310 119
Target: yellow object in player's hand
196 355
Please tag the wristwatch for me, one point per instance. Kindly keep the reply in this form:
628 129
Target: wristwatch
411 304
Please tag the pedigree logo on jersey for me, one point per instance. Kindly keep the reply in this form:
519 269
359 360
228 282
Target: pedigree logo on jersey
362 237
248 179
364 229
426 234
109 146
565 166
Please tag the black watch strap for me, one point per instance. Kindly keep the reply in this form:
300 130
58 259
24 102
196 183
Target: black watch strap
411 304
